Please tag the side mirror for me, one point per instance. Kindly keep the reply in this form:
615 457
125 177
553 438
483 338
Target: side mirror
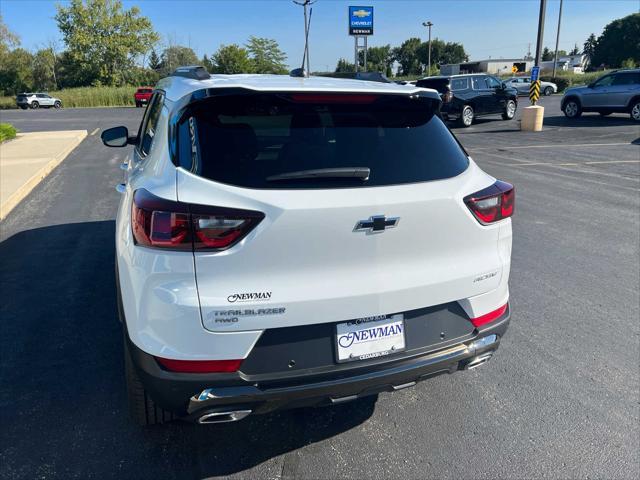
117 137
503 86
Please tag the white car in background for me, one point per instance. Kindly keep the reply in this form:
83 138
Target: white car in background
522 84
285 242
37 100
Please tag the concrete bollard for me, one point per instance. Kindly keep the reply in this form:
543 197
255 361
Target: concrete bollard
532 118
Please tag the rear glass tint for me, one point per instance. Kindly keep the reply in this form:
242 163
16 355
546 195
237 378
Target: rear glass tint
244 139
439 84
145 90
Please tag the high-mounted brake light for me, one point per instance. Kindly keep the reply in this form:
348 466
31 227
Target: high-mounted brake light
333 98
160 223
199 366
492 203
489 317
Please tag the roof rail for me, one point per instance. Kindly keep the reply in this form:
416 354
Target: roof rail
196 72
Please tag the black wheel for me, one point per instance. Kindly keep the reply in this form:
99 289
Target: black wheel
23 107
509 110
138 104
467 116
635 111
57 105
548 91
142 409
35 105
572 108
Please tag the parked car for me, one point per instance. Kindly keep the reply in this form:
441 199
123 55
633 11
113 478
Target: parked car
522 85
614 92
286 242
142 96
465 97
37 100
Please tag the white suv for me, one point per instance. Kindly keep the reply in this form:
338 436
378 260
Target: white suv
286 242
37 100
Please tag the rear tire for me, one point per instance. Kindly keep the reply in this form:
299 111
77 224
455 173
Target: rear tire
138 104
572 108
509 110
23 107
142 409
634 113
35 105
548 91
466 116
57 105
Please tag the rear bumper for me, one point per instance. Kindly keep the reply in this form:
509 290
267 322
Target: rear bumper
194 395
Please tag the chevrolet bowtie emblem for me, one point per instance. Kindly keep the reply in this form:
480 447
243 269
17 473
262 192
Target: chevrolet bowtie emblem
376 224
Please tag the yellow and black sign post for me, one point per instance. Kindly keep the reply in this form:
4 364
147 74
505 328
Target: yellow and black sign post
534 91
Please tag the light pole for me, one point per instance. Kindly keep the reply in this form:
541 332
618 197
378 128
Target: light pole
428 25
555 58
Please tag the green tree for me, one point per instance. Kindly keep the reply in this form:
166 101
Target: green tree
176 56
103 39
154 61
619 41
44 70
232 59
8 39
266 56
206 63
589 46
16 72
546 55
380 59
406 56
344 66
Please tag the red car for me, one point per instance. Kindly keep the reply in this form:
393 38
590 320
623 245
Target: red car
142 96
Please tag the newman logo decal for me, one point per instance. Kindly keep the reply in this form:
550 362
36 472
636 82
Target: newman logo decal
370 334
249 297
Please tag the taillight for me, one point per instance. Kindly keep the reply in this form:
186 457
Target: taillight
489 317
199 366
447 97
160 223
492 203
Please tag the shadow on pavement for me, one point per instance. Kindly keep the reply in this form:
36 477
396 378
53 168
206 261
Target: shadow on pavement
62 392
589 120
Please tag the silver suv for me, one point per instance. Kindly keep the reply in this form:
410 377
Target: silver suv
522 85
615 92
37 100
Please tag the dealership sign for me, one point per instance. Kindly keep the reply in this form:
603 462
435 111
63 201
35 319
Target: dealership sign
360 20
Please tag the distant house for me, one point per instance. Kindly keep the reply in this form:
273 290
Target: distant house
568 63
496 66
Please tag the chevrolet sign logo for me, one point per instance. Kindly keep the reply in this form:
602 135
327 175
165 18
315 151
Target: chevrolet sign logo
376 224
361 13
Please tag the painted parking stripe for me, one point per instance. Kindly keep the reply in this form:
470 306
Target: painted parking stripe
518 147
94 132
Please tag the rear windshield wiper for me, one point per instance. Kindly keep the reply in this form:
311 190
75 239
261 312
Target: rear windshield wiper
349 172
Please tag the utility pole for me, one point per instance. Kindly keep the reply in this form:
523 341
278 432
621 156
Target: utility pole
428 24
543 8
555 60
305 4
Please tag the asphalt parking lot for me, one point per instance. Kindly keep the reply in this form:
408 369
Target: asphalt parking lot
561 399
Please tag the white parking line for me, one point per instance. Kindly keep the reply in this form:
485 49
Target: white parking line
519 147
94 132
576 164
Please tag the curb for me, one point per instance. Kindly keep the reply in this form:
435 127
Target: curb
16 197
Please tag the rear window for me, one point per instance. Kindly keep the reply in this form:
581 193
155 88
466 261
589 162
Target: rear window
459 84
244 139
441 85
145 90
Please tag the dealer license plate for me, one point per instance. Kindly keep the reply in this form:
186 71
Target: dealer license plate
370 337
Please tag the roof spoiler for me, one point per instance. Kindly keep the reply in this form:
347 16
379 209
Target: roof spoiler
195 72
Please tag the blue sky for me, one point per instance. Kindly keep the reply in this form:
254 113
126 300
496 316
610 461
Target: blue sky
486 28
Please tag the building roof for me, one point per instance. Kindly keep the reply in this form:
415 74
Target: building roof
177 87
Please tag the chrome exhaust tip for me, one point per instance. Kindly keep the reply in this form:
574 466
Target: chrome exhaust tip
475 362
223 417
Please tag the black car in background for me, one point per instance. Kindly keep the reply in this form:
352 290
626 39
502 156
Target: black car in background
465 97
